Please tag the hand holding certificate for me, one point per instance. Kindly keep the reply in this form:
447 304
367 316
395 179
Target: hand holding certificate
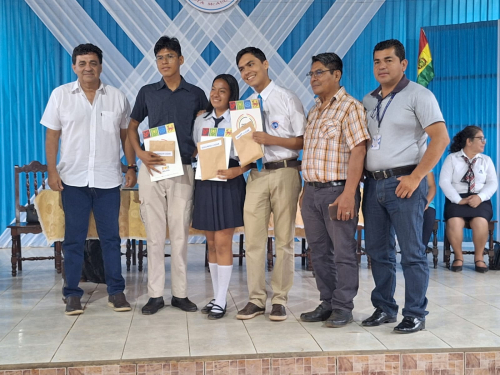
212 157
165 149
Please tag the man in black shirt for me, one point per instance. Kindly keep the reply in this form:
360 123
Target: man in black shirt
168 201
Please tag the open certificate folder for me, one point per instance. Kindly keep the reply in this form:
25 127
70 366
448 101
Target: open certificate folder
245 112
208 134
154 137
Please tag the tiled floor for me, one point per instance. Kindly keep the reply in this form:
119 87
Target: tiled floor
464 313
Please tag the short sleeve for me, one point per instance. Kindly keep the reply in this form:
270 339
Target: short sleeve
51 118
140 111
427 109
125 118
354 126
297 117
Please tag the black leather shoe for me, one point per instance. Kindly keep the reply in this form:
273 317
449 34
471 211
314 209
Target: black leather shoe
378 317
206 309
320 314
153 305
409 325
339 318
216 312
184 304
73 306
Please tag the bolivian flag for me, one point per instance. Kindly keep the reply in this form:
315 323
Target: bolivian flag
425 72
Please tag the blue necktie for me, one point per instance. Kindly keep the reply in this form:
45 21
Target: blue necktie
259 161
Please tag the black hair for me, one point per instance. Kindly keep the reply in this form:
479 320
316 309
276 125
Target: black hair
169 43
460 139
399 49
85 49
330 60
252 50
234 90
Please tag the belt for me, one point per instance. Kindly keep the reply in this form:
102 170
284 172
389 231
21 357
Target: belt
279 164
186 160
399 171
326 184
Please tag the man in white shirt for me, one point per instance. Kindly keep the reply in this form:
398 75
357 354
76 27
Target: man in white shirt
274 187
90 119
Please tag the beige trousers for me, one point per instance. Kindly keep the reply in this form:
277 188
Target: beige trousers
167 202
275 191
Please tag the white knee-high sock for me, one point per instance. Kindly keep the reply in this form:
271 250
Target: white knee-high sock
214 276
224 278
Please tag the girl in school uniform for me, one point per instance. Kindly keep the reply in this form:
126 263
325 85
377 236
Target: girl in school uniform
218 205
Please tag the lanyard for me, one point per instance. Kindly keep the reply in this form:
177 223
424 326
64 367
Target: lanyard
379 119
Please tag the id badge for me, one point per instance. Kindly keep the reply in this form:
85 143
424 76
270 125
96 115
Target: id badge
376 142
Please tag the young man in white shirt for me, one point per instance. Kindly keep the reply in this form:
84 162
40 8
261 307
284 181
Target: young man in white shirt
275 187
90 119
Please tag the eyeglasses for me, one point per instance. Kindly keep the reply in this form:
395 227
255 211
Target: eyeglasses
483 139
168 57
318 73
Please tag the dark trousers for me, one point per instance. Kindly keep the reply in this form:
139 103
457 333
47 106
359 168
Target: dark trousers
333 248
385 214
429 218
78 202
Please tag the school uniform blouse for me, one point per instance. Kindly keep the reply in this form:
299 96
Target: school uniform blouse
207 121
454 169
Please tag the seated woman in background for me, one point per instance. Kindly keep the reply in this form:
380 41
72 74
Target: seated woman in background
430 210
218 205
468 180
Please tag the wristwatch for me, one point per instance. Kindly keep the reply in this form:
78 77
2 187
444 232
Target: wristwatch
132 166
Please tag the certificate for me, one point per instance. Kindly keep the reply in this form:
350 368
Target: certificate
208 134
245 112
164 133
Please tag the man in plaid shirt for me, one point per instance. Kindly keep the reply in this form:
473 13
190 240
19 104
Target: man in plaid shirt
332 166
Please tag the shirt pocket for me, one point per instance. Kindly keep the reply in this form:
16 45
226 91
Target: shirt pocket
330 129
110 121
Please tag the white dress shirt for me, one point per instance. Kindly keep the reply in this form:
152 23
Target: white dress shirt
208 122
90 134
455 167
284 117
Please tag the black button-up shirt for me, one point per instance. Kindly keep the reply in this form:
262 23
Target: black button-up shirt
163 106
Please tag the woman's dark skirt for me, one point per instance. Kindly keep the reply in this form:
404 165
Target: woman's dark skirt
219 205
467 212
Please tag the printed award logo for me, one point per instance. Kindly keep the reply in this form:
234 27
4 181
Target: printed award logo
212 6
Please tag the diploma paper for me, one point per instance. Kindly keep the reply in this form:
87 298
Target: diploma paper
164 133
208 134
212 156
244 112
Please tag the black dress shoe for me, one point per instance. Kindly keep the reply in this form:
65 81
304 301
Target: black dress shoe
73 306
184 304
206 309
339 318
216 312
409 325
378 317
320 314
153 305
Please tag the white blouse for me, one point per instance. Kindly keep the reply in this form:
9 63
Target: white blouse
208 122
454 168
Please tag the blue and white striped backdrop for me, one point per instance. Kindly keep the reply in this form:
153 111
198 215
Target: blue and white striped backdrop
36 37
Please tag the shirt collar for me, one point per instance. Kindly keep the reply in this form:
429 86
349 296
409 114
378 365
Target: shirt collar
399 87
76 86
225 114
337 97
267 91
462 153
182 86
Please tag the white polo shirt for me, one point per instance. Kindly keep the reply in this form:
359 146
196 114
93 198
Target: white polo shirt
284 117
90 134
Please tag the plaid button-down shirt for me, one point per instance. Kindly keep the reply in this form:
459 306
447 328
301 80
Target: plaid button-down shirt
330 136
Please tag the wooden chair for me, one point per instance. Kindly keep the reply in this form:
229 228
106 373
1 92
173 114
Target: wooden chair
487 251
31 172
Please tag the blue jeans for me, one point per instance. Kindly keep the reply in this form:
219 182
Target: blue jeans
385 214
78 202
